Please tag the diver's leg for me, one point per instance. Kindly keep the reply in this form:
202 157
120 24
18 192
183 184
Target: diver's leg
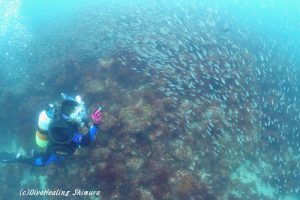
9 157
28 161
15 158
45 158
38 158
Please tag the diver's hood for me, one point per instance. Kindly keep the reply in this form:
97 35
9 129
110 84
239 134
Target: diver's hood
77 114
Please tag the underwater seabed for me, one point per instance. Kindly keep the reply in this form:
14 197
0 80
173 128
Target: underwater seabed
146 150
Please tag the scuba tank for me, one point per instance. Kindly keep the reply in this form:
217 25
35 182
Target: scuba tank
41 134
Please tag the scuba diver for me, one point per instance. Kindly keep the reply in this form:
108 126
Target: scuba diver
59 132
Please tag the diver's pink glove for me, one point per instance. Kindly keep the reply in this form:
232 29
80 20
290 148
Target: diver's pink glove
97 116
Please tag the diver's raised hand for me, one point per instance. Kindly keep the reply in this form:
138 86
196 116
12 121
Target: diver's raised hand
97 116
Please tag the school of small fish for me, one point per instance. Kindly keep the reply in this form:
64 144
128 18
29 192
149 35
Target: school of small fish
236 92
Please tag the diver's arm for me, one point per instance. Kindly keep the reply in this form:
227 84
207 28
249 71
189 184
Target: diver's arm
86 139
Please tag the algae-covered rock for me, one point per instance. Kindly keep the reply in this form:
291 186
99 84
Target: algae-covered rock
134 163
92 86
137 118
105 62
100 154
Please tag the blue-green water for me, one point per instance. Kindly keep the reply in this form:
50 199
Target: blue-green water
201 98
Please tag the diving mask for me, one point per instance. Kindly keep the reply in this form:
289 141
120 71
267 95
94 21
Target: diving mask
78 114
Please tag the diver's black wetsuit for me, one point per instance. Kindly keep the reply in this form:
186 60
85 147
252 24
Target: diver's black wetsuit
55 153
